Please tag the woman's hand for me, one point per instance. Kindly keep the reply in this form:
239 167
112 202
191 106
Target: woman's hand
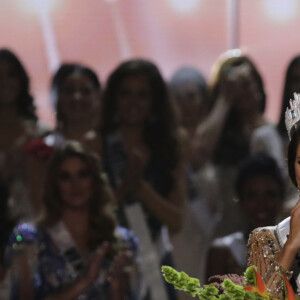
118 274
94 264
133 175
294 236
292 245
121 265
74 290
232 85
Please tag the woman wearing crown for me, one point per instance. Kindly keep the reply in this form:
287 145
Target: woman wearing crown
276 249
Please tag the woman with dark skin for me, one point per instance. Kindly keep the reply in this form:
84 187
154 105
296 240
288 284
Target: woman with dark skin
260 192
291 86
275 249
141 147
75 250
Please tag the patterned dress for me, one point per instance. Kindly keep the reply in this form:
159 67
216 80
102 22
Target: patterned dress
263 246
51 270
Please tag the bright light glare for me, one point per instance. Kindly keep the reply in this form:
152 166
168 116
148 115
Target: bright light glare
41 6
281 11
184 6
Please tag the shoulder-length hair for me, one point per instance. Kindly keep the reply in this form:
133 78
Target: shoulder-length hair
101 222
161 130
59 78
287 94
24 101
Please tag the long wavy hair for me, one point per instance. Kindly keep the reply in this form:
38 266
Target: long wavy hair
161 130
59 78
287 94
101 222
233 145
24 101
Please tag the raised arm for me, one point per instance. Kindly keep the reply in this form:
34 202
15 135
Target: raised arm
208 133
170 210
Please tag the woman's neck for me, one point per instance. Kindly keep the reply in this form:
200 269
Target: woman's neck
132 134
77 223
77 131
191 129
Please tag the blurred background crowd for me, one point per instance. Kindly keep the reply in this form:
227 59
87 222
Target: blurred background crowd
151 147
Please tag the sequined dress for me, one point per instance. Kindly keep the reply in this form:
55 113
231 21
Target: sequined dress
263 246
50 270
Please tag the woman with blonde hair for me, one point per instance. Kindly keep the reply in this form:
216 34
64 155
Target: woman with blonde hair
235 128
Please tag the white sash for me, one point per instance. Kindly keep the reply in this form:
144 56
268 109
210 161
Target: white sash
150 253
74 262
150 262
282 231
65 244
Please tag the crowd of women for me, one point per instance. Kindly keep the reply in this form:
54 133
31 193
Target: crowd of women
137 172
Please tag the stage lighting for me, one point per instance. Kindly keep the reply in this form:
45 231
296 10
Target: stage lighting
184 6
281 11
40 6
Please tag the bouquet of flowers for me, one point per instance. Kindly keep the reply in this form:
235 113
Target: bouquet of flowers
252 287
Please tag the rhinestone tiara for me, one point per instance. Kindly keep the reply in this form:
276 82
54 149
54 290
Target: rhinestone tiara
292 115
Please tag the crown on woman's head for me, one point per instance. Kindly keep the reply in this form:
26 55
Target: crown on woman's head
292 115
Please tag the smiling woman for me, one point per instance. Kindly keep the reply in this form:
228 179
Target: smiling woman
75 184
75 92
142 155
75 250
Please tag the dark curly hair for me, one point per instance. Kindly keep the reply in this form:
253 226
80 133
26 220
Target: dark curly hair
25 101
161 131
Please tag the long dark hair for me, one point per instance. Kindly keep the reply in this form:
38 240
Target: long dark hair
25 102
161 130
59 78
101 223
233 145
287 94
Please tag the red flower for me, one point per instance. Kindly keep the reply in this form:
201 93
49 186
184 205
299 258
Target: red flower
38 148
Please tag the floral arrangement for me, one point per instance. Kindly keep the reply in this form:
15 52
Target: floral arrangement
253 287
